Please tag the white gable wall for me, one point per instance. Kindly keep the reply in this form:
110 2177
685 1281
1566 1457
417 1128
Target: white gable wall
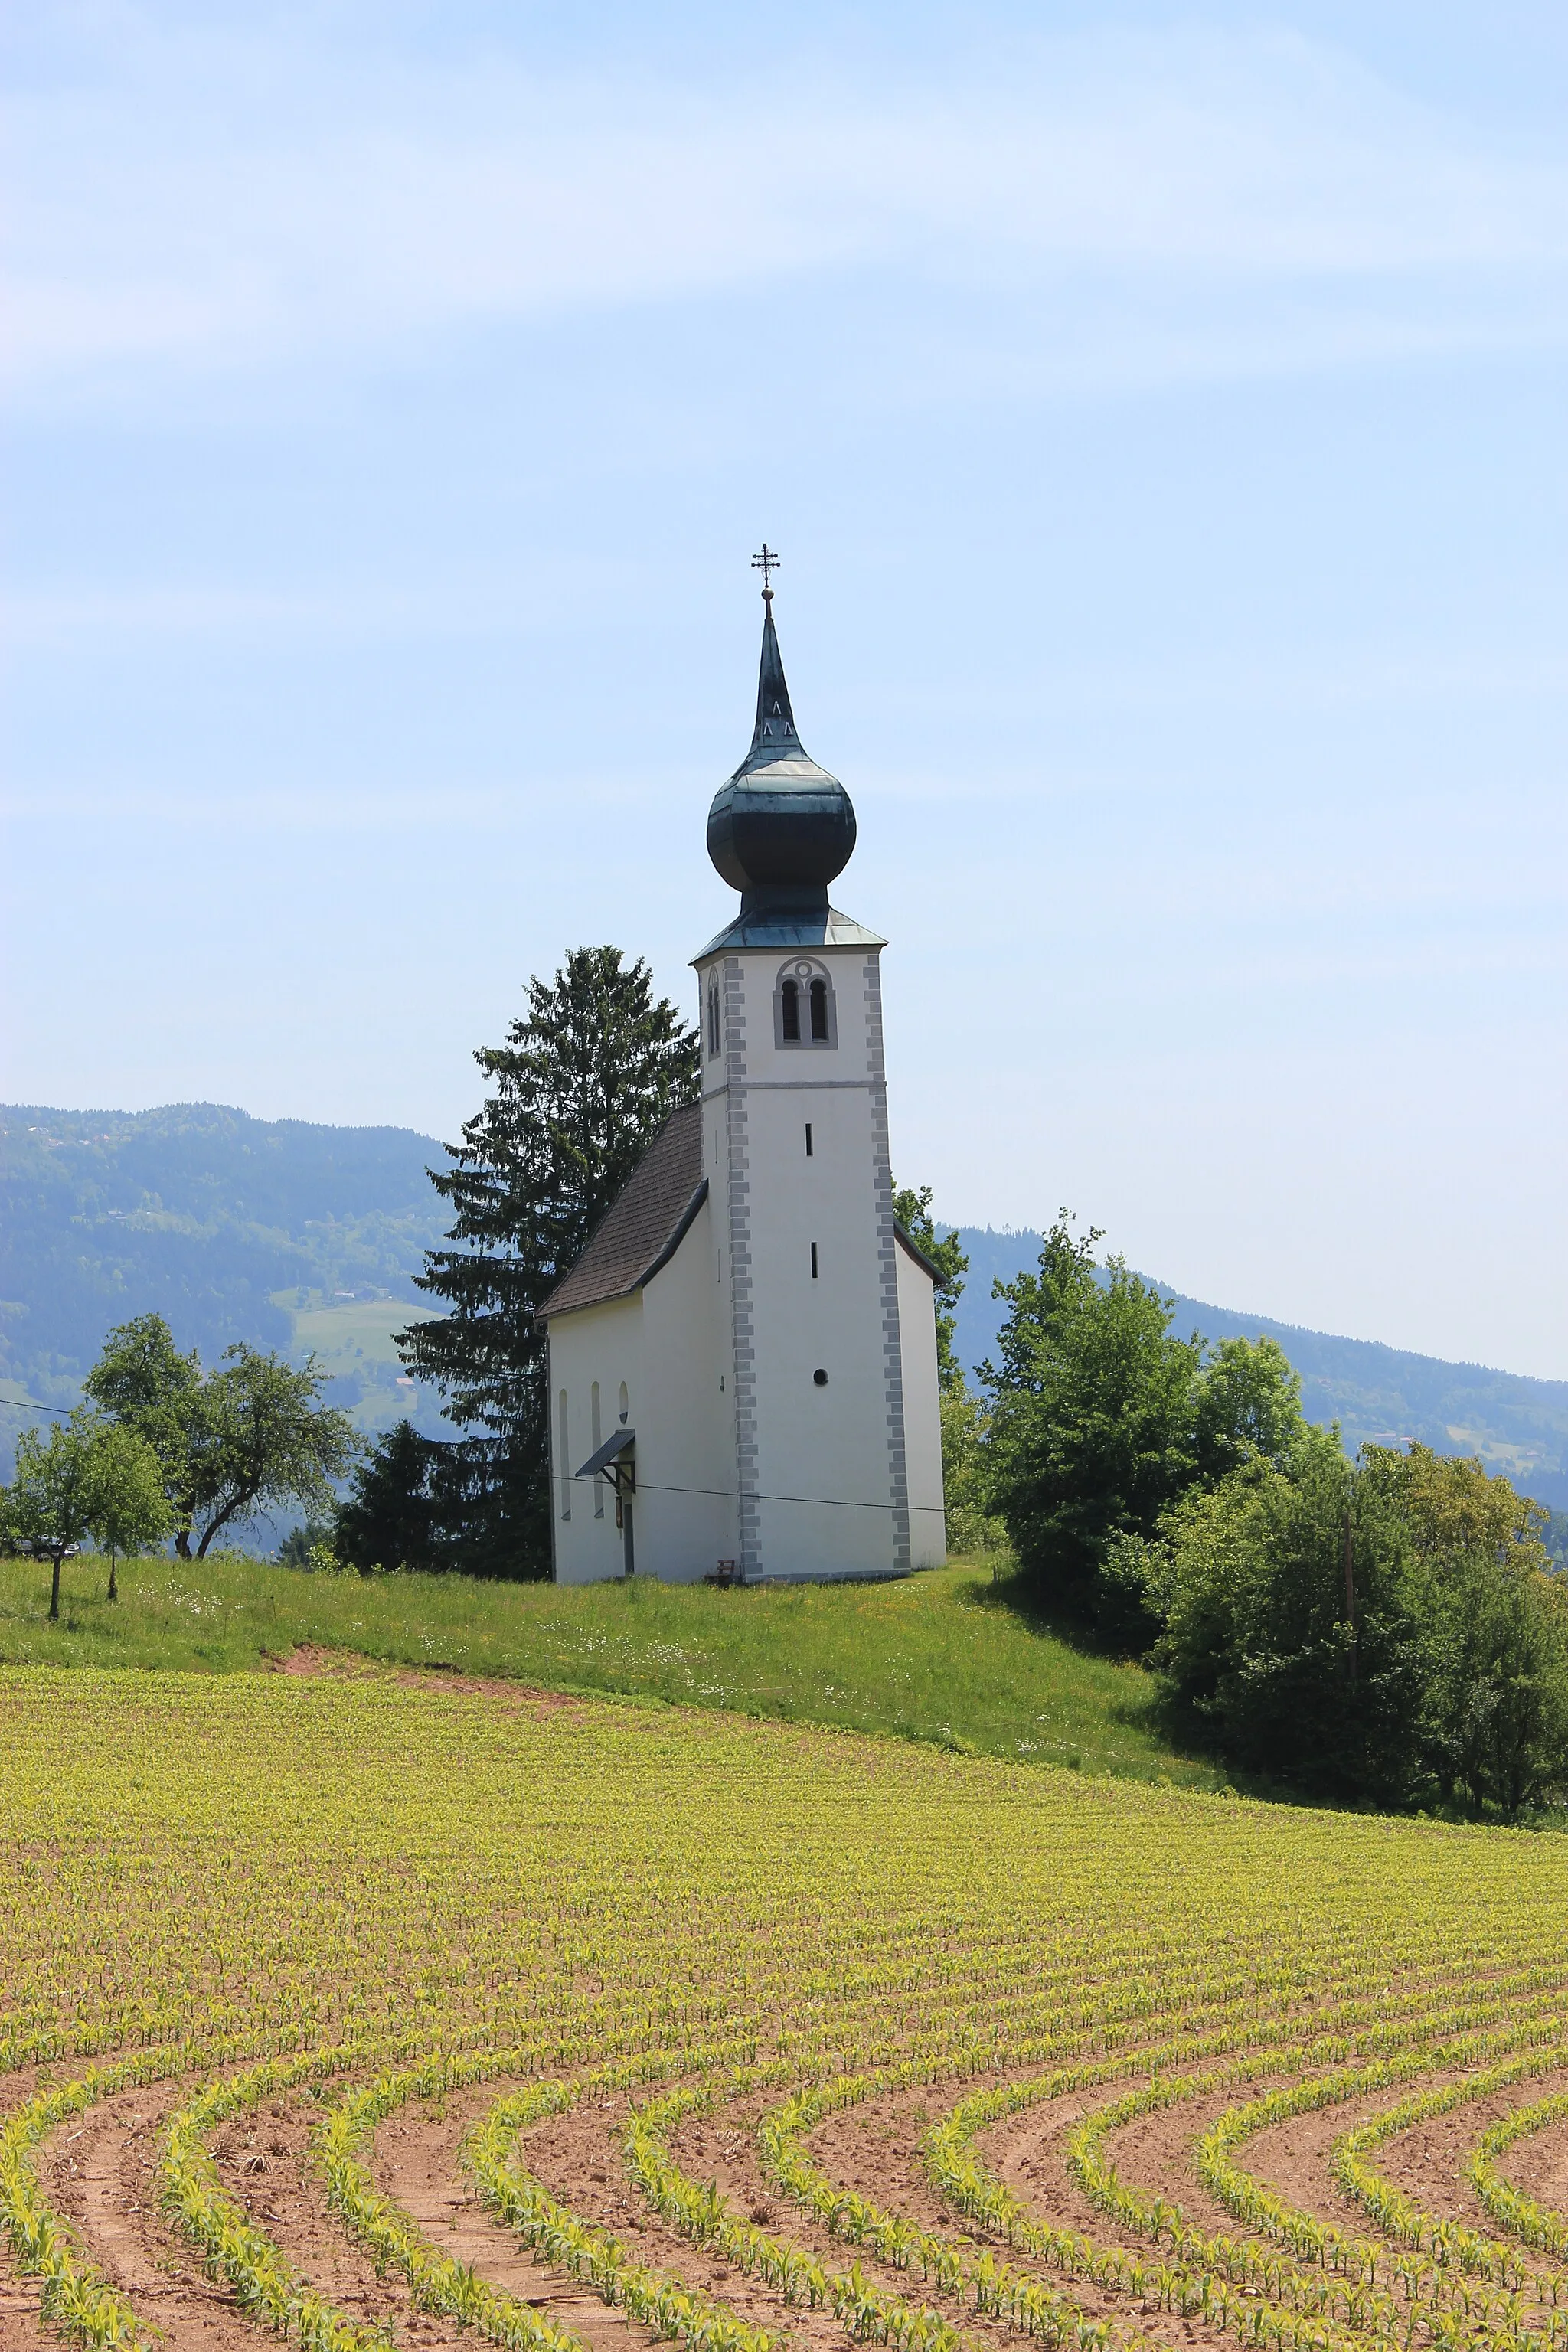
666 1341
602 1344
689 1507
922 1414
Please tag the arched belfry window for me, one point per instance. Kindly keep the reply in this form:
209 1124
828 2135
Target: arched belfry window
713 1019
804 1013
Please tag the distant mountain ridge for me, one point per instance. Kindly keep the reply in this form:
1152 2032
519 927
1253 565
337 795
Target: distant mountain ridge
292 1235
232 1227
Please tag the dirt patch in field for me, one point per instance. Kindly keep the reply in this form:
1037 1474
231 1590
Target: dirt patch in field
1295 2158
873 2148
1028 2153
99 2173
317 1658
1539 2165
264 2161
578 2156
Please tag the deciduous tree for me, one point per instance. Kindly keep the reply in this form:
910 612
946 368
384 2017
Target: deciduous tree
143 1380
1092 1427
263 1437
912 1210
128 1509
1384 1630
249 1434
1246 1400
48 1504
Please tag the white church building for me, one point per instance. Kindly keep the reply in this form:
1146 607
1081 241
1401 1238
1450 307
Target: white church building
743 1362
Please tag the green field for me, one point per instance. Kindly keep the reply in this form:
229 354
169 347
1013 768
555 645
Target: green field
369 2014
358 1332
951 1656
353 1342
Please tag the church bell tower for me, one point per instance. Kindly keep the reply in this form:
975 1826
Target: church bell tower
828 1312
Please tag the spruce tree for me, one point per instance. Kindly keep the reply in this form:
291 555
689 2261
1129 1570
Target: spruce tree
578 1092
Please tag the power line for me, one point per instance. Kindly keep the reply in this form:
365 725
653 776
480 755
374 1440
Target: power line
733 1495
26 1405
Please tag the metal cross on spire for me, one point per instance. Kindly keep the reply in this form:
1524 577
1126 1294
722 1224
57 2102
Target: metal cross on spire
767 563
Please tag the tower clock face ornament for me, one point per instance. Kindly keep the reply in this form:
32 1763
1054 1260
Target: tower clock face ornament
768 1326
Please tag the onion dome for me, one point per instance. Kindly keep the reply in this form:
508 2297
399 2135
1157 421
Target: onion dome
782 827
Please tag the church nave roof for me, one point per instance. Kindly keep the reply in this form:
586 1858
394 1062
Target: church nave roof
645 1224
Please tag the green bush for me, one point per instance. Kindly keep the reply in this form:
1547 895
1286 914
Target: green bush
1384 1631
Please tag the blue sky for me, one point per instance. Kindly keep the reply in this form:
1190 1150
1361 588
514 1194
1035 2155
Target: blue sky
1161 413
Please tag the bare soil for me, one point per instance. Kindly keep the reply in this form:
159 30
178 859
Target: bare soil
317 1658
417 2163
579 2158
98 2172
1428 2161
1539 2165
873 2148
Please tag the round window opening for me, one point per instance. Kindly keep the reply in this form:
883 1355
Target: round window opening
820 1377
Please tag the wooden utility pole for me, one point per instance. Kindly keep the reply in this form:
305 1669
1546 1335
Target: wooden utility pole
1350 1591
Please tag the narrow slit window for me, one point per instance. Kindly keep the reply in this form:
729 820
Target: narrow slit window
598 1441
713 1019
791 1011
808 1150
564 1451
819 1012
814 1261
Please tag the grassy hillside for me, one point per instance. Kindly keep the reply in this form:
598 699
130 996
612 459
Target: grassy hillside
950 1657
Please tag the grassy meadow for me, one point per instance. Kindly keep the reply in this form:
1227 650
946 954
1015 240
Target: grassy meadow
953 1656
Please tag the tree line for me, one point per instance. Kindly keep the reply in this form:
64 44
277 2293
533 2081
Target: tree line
1388 1629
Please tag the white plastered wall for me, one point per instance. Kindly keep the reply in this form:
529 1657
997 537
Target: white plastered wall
822 1463
664 1341
688 1506
922 1414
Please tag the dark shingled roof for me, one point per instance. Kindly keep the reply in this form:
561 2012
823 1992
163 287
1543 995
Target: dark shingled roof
918 1254
644 1225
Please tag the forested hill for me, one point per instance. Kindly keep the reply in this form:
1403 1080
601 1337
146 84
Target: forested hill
235 1228
296 1237
1385 1394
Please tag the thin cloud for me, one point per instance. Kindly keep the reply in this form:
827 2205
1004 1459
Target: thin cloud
164 217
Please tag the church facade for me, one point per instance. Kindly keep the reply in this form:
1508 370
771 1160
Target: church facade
743 1363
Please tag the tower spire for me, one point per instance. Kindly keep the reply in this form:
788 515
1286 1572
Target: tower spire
781 826
776 733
